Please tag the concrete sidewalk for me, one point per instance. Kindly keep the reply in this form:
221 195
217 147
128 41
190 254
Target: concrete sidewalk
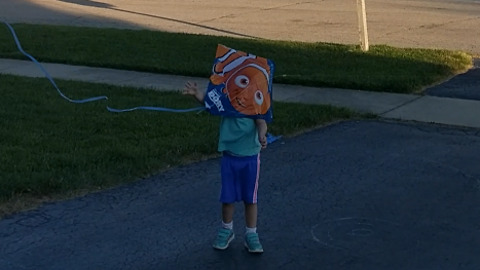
429 109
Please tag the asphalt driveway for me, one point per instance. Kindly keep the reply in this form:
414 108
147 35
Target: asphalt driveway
352 195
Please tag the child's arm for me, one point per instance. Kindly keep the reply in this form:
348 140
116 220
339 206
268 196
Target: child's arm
191 89
262 131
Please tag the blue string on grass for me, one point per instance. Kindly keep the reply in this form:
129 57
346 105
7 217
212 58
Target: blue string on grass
91 99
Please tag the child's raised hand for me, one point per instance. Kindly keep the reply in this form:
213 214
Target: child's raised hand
190 88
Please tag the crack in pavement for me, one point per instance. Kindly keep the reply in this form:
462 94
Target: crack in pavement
429 26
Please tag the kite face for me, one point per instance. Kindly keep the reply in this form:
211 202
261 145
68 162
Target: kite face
240 85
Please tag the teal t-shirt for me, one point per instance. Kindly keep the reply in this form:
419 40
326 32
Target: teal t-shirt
239 136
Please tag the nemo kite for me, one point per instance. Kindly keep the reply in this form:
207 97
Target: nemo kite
240 85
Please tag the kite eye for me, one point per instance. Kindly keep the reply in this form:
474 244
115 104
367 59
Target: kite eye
242 81
259 97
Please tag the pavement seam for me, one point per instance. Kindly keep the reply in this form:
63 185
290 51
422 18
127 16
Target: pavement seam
399 106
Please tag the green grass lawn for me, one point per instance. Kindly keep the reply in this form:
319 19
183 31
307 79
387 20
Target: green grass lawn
53 149
383 68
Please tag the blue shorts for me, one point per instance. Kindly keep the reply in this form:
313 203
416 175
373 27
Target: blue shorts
239 178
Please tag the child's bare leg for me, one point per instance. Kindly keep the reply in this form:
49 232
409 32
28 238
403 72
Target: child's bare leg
227 212
252 243
251 215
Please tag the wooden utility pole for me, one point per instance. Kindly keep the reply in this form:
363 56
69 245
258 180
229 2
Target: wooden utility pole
362 24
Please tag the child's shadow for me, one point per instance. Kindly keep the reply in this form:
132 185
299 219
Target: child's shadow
88 3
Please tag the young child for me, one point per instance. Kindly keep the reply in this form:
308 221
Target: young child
241 140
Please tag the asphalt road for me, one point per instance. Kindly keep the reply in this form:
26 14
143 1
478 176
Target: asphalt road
464 86
352 195
445 24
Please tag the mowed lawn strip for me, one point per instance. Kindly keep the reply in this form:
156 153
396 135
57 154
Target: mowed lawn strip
382 68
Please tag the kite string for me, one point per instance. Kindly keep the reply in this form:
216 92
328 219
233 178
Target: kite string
91 99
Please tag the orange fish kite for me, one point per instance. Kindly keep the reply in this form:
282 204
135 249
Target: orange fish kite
240 85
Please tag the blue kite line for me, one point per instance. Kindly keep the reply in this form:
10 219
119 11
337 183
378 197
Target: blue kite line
80 101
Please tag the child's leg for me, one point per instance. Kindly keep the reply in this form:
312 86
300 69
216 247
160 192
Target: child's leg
227 212
251 215
250 187
252 242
